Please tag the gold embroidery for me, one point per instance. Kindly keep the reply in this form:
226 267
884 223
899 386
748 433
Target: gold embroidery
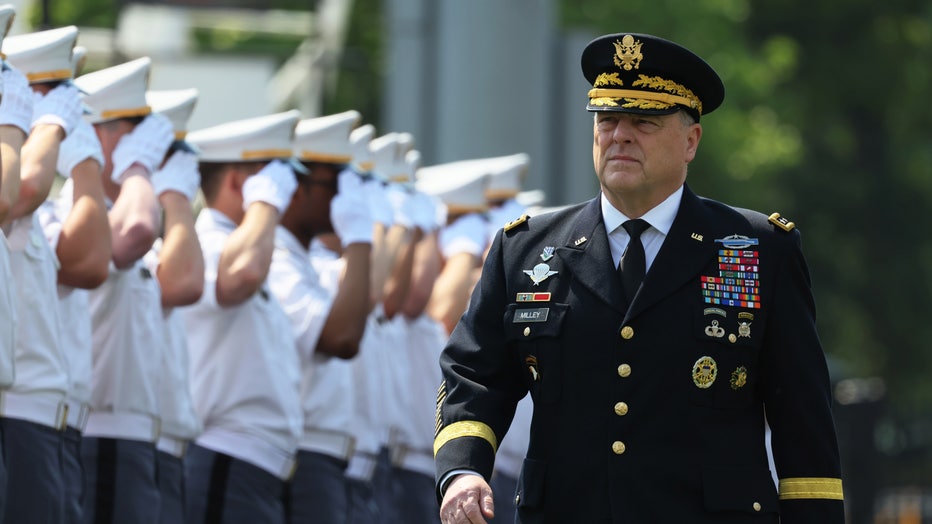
608 79
662 84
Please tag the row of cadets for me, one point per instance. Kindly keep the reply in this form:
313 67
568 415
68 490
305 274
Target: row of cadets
325 292
178 262
244 367
34 408
118 444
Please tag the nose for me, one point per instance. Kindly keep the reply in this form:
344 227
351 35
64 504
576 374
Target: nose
623 132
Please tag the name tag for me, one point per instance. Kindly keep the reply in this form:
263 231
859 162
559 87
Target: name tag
531 315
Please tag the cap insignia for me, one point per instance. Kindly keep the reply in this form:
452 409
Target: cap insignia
628 53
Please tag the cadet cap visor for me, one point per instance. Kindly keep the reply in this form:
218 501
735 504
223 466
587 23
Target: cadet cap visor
259 139
43 56
644 74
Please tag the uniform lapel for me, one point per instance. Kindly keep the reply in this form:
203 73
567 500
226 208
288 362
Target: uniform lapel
685 252
587 256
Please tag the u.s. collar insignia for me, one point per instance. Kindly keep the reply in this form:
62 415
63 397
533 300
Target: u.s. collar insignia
737 242
547 253
704 372
540 273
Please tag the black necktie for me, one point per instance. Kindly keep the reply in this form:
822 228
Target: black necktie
633 264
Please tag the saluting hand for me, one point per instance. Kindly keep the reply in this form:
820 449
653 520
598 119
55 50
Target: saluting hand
468 500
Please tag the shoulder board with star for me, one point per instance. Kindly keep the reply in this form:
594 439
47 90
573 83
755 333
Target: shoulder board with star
516 222
782 222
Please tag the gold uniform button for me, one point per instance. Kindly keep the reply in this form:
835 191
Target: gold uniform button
527 331
618 447
627 332
732 338
756 506
621 409
624 370
517 499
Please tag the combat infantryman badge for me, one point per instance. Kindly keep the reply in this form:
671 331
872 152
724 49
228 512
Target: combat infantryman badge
704 372
540 273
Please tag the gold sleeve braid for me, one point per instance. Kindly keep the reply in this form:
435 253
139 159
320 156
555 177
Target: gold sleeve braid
811 488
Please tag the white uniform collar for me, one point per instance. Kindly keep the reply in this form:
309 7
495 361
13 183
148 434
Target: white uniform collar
660 217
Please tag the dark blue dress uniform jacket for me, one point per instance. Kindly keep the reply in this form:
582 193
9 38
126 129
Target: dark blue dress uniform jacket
622 431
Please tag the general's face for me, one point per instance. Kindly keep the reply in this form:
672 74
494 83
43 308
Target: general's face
642 157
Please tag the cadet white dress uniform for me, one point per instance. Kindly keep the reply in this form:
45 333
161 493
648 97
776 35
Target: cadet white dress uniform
319 491
34 410
244 368
118 447
180 423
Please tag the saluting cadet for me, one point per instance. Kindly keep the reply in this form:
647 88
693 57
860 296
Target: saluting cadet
412 460
463 240
327 321
653 328
9 192
76 227
244 367
33 409
365 426
118 448
178 263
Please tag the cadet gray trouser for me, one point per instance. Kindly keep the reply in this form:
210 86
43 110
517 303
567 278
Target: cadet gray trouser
319 491
121 483
32 453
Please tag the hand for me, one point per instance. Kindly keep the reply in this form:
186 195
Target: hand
145 145
379 205
468 499
60 106
180 174
424 211
468 234
400 199
274 185
349 210
81 144
16 104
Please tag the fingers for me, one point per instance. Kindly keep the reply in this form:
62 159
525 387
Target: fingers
468 501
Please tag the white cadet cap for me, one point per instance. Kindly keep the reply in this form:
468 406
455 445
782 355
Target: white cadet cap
388 156
412 163
360 138
533 197
116 92
7 14
78 57
507 175
44 56
258 139
176 105
326 139
460 185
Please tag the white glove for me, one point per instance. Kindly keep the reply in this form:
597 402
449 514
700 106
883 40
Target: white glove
401 211
349 211
78 146
178 174
423 211
466 235
274 185
441 212
379 205
60 106
16 104
145 145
